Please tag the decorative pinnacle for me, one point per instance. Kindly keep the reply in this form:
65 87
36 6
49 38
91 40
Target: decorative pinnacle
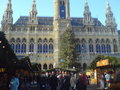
107 4
86 1
33 1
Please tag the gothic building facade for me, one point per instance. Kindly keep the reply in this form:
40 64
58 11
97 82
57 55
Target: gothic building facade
39 37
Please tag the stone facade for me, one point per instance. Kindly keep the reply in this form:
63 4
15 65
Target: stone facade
39 37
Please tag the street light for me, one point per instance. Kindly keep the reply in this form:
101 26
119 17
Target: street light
0 41
3 46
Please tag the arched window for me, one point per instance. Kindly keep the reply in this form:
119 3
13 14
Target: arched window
108 48
62 10
12 46
51 50
39 48
115 48
17 48
103 48
83 49
45 66
18 40
45 48
51 40
91 48
31 47
84 66
78 66
12 40
50 66
98 49
23 48
78 48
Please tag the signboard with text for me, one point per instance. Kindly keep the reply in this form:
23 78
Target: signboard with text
102 63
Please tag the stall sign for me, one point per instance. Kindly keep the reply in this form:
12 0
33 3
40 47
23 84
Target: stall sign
102 63
2 69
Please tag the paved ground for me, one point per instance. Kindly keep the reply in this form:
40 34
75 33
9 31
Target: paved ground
90 87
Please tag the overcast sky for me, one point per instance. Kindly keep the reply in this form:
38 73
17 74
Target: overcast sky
46 8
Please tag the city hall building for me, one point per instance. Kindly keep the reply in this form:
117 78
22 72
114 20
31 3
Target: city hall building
39 37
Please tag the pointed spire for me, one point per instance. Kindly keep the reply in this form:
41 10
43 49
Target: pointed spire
7 17
86 7
110 20
87 14
108 8
33 13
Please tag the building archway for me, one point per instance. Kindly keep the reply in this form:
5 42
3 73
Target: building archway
84 66
45 66
50 66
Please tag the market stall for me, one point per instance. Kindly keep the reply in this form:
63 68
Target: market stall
112 67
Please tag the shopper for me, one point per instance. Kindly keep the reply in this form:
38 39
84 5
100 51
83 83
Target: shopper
14 83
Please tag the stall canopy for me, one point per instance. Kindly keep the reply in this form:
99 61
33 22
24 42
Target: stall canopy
109 61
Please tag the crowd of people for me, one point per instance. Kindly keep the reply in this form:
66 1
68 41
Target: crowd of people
50 81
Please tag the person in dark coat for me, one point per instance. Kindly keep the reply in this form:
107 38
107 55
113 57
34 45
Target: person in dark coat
53 81
65 82
79 84
84 79
43 83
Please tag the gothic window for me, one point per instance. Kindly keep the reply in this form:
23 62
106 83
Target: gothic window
62 10
78 65
12 46
45 48
51 50
45 66
39 40
115 48
32 28
103 48
24 40
50 66
39 48
108 48
51 40
83 49
31 47
18 40
12 40
98 49
45 40
18 48
97 41
102 41
23 48
107 41
78 48
91 48
84 66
